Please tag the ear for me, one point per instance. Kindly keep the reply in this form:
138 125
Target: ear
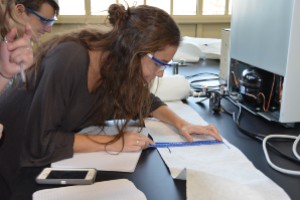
20 9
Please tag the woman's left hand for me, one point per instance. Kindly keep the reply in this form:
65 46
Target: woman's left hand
189 129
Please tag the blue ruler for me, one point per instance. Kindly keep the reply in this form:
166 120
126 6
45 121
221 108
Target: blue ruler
182 144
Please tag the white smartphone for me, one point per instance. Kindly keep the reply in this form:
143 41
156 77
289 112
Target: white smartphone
67 176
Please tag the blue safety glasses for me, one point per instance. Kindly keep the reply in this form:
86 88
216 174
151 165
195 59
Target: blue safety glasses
162 65
45 21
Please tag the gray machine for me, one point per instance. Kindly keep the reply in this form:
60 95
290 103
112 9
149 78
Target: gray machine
264 71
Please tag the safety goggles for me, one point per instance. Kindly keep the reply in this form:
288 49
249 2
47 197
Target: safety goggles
162 65
45 21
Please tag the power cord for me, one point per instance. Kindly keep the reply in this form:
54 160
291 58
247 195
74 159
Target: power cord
264 139
237 117
294 149
202 73
212 77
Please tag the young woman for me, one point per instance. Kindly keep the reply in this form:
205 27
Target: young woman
86 78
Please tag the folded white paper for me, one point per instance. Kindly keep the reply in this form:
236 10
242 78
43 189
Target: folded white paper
121 189
202 185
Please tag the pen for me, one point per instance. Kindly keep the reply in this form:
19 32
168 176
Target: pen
22 72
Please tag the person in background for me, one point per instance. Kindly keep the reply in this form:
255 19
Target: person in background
40 14
85 78
12 51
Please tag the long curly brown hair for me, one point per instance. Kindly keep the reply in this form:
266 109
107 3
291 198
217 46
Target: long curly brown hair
135 32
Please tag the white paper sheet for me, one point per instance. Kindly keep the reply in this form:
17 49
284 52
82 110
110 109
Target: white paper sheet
103 161
121 189
218 169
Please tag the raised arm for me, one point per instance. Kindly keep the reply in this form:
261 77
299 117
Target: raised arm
13 53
